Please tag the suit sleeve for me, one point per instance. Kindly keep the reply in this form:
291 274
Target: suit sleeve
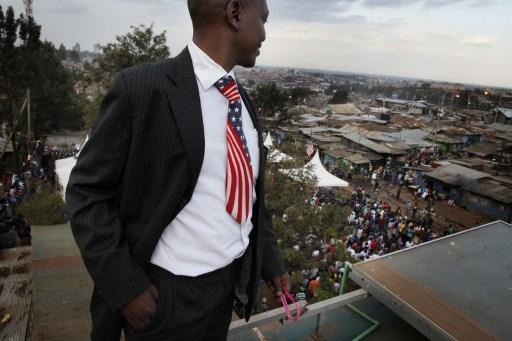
91 200
273 265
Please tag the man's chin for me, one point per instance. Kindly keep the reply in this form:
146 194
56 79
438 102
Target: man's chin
249 63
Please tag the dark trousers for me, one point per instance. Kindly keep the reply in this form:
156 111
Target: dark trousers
190 308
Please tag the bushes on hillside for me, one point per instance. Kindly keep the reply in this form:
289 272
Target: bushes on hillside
45 207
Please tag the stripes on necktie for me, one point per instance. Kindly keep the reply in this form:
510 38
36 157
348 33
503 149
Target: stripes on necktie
239 173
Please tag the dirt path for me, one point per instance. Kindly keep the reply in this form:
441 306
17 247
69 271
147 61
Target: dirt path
62 287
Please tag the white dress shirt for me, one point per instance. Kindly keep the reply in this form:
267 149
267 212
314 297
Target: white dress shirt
204 237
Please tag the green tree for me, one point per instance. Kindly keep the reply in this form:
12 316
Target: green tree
55 104
340 96
299 95
139 46
300 226
2 24
269 99
10 28
62 52
74 56
28 63
9 69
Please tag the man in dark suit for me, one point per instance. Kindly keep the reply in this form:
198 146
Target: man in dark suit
167 197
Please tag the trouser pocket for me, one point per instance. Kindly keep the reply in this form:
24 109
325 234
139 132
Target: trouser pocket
164 313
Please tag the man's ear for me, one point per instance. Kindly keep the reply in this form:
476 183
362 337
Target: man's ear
233 13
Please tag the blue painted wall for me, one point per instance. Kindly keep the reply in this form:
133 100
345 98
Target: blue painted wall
488 206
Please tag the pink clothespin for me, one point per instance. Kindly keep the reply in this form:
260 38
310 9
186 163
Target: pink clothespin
285 297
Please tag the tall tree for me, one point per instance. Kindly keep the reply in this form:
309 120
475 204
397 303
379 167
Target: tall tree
55 104
299 95
62 53
139 46
28 63
74 56
9 64
340 96
300 226
269 99
2 25
10 28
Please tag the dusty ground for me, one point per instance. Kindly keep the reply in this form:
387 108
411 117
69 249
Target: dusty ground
61 285
461 218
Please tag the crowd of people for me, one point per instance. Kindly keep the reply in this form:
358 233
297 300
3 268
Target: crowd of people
375 226
37 170
378 228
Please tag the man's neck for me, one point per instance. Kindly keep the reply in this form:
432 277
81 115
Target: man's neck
218 51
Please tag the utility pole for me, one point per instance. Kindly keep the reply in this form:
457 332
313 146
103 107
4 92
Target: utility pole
29 151
28 7
29 13
497 109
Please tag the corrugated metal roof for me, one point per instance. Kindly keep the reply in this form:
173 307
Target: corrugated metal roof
363 118
379 110
311 118
397 146
492 188
443 139
348 108
313 130
483 149
371 126
340 151
456 175
408 122
357 159
325 138
412 137
505 111
379 136
394 101
363 141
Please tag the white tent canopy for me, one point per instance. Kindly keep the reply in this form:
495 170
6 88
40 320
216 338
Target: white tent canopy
324 178
274 154
63 169
268 141
317 169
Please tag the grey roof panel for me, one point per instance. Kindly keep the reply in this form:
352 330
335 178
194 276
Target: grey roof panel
460 285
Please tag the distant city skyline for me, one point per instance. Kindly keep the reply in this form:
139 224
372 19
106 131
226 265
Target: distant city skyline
462 41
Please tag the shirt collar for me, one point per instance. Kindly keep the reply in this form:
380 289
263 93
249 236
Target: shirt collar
207 71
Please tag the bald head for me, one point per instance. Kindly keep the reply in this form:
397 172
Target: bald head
229 31
207 12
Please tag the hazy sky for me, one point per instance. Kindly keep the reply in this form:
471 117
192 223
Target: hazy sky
455 40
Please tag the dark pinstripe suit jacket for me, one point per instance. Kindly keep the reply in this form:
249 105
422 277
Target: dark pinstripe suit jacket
137 171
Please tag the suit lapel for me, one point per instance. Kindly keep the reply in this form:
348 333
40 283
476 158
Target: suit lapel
183 96
260 183
255 122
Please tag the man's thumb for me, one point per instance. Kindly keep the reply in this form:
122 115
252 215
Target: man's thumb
154 291
277 286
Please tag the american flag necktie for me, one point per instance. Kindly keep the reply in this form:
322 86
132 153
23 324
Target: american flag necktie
239 176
